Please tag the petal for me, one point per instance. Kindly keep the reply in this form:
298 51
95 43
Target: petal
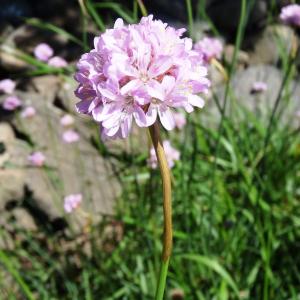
119 23
140 117
160 66
168 83
131 86
83 106
196 101
112 120
188 107
112 131
151 115
106 93
155 90
166 117
126 126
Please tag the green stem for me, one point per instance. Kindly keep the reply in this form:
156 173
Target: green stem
162 280
190 16
167 208
142 7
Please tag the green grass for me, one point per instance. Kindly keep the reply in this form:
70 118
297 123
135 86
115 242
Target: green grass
236 211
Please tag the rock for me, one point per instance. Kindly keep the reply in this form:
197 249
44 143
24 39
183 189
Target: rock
260 104
11 186
7 137
23 219
70 168
268 46
242 56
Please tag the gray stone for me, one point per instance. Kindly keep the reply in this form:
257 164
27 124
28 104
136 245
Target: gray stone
242 56
259 103
11 186
23 219
273 40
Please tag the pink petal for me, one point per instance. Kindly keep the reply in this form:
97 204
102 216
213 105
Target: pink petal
166 118
131 86
140 117
196 101
151 115
161 65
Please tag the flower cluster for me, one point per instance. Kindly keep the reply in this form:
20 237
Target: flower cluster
37 159
7 86
44 52
259 87
210 48
139 72
71 202
28 112
290 14
11 103
172 155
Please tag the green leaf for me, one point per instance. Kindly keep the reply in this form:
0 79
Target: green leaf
215 266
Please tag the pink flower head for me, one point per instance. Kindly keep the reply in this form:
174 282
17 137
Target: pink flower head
70 136
171 153
43 52
37 159
180 120
28 112
290 14
259 87
210 48
11 103
7 86
57 62
138 73
67 120
71 202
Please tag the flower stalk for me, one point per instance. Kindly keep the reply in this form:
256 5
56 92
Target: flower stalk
167 208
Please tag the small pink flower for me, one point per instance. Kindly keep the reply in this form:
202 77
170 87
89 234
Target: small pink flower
137 74
28 112
7 86
70 136
259 87
210 48
290 14
43 52
171 153
57 62
71 202
297 114
11 103
37 159
180 120
67 120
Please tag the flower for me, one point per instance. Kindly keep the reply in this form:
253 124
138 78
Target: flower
37 159
43 52
57 62
11 103
210 48
28 112
171 154
7 86
72 202
259 87
70 136
180 120
66 120
137 74
290 14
